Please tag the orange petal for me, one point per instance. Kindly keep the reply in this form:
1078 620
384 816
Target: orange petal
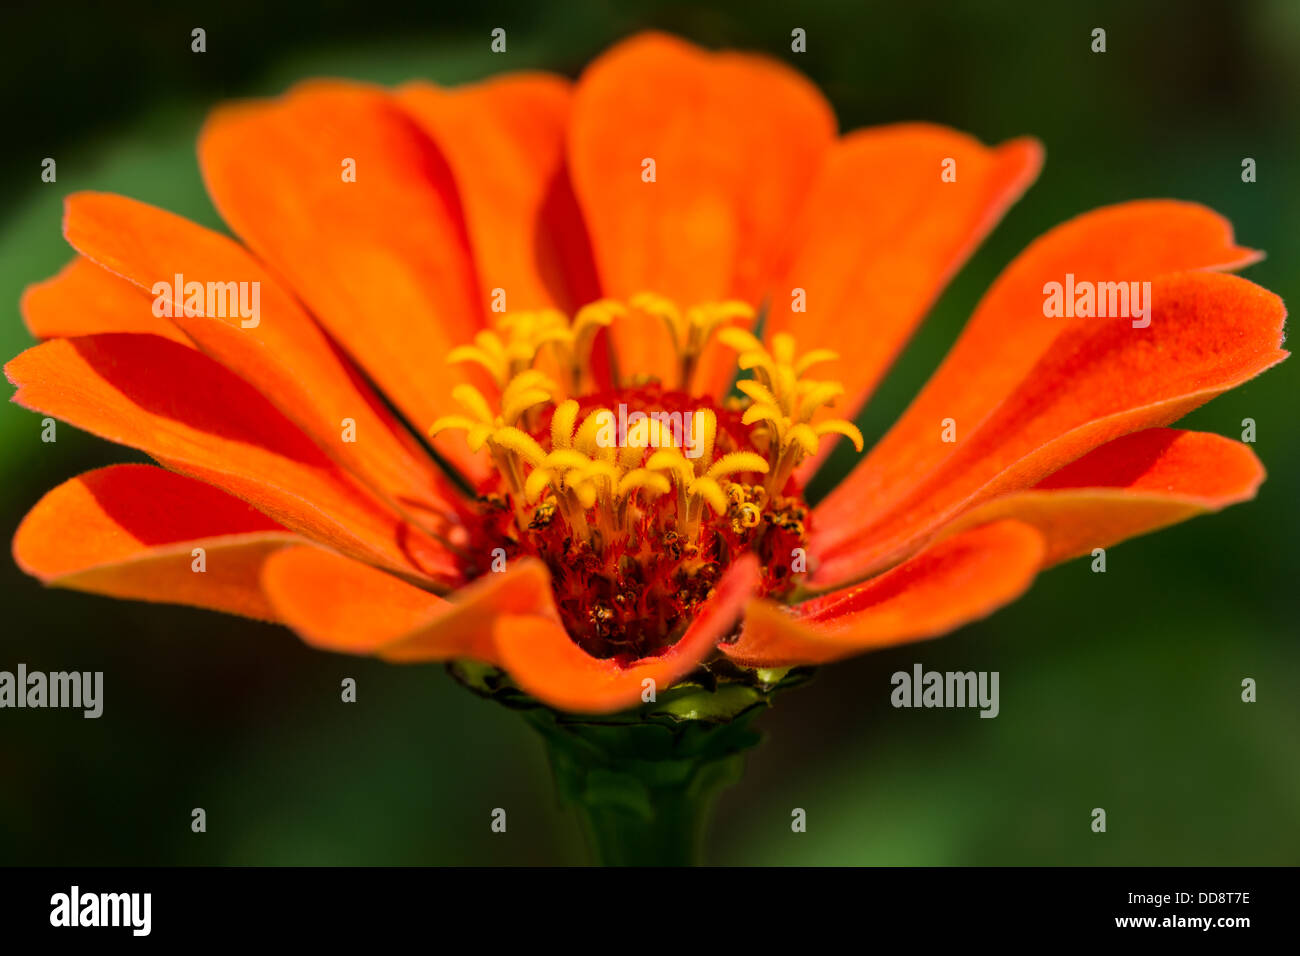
954 582
129 531
466 628
192 415
285 356
338 604
1130 486
545 661
1208 332
879 238
383 262
736 140
84 299
504 140
1008 334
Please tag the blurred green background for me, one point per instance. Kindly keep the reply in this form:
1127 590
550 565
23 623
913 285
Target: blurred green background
1119 690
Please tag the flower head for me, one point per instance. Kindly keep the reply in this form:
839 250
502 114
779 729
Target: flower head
536 373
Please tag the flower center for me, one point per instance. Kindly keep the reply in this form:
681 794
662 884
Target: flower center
638 496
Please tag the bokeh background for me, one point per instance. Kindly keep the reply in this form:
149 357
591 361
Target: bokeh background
1119 690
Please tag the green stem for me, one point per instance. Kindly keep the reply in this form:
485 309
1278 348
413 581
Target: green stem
644 781
643 792
628 823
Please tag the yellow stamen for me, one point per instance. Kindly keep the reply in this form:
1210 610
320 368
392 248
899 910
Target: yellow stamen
694 489
690 331
508 445
601 482
783 402
516 344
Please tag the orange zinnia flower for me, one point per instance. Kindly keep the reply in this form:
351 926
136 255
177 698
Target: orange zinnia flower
512 275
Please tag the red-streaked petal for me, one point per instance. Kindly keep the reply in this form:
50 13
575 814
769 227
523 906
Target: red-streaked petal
545 661
958 580
1130 486
1008 335
736 141
880 236
383 262
84 299
129 531
504 140
1182 360
1208 333
198 418
285 356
